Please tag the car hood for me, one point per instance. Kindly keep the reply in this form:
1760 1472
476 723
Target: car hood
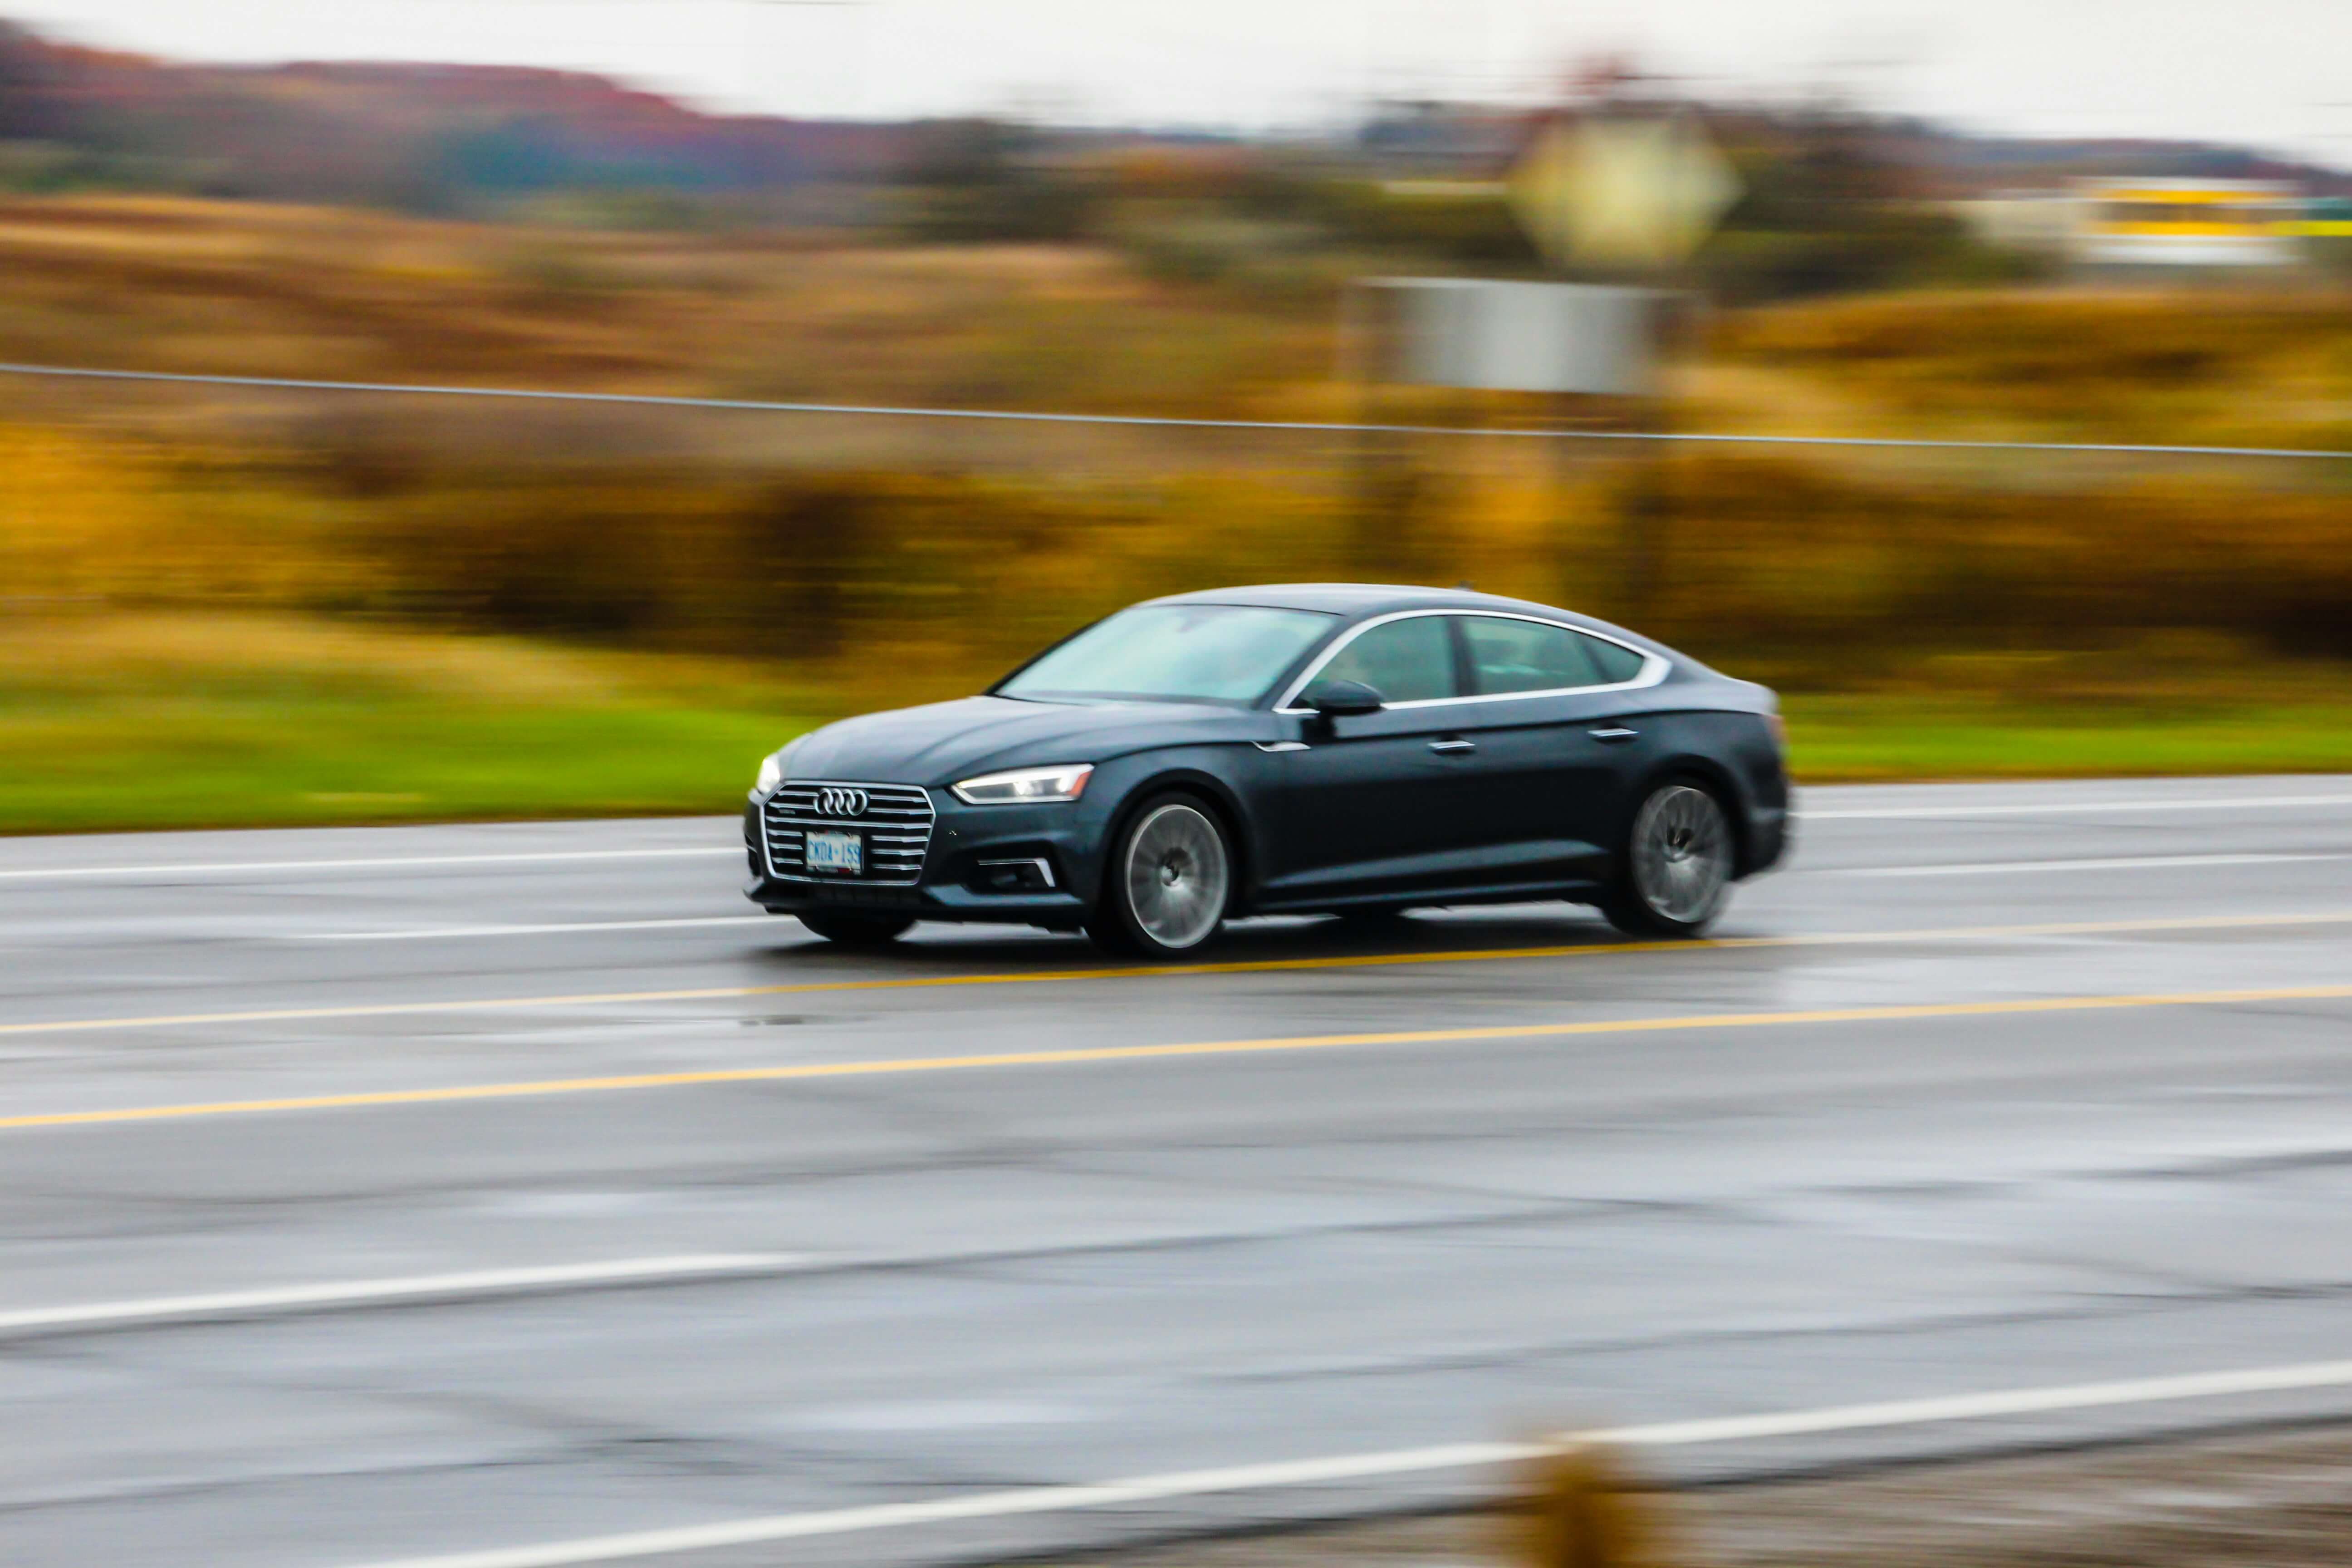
942 743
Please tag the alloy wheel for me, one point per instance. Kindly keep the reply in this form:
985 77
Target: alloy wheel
1177 875
1682 855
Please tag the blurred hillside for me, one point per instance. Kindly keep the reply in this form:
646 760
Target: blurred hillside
1832 200
420 138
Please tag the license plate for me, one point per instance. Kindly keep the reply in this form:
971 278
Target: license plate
842 854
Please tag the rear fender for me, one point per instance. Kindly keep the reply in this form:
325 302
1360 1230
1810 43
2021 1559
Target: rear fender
1726 786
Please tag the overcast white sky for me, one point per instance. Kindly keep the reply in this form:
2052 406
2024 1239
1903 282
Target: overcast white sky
2273 73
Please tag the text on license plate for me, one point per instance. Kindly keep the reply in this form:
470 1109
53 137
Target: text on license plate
843 853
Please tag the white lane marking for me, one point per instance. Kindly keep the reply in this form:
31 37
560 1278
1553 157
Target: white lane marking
1914 813
375 1292
451 932
1979 1407
1404 1461
2129 863
234 868
983 1505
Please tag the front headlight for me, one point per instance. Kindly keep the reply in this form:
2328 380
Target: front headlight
778 766
1066 781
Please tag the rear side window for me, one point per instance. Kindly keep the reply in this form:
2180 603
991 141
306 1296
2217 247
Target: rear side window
1527 655
1615 661
1409 660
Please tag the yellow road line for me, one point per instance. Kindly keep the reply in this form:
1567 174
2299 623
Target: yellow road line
1186 971
546 1087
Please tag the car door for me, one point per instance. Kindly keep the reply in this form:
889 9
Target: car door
1379 803
1552 744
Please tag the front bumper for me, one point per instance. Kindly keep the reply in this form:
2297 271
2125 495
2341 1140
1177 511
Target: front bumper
975 868
1771 835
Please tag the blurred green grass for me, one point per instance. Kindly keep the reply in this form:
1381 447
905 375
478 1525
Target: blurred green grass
133 765
126 723
208 722
1899 735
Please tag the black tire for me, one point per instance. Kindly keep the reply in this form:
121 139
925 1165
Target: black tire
1167 881
856 929
1674 870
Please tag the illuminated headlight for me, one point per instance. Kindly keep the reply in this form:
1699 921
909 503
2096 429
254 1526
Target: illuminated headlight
1067 782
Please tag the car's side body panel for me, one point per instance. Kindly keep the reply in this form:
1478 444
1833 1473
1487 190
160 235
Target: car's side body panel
1371 805
1472 798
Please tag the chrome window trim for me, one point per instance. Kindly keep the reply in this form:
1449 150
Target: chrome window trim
1654 667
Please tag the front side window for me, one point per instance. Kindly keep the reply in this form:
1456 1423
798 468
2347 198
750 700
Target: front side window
1411 660
1199 653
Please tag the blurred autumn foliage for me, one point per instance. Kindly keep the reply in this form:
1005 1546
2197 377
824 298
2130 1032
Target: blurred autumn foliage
518 228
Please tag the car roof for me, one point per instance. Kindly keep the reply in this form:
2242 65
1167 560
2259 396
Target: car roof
1356 600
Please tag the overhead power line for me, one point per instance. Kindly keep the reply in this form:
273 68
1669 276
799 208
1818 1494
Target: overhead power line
1146 421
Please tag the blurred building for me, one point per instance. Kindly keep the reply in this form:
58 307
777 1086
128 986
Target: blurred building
2187 223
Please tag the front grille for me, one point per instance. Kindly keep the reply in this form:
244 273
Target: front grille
896 823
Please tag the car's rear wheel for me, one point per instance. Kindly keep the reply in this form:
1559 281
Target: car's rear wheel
1674 877
856 929
1169 882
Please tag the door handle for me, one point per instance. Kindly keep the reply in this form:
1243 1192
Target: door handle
1454 746
1614 735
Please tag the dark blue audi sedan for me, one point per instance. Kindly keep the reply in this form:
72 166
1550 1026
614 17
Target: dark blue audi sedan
1320 748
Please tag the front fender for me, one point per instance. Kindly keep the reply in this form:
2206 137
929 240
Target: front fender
1234 781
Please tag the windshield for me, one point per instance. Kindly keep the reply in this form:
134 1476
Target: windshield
1211 653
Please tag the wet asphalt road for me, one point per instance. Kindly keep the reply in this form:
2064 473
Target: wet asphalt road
793 1293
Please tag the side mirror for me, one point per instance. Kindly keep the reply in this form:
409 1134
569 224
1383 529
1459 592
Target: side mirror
1344 698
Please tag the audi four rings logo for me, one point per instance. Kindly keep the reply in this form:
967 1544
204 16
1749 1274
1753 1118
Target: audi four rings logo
834 801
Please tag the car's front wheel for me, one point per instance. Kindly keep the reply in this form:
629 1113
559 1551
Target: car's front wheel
1169 879
856 929
1674 877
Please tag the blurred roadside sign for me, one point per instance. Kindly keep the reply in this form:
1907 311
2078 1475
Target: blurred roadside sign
2330 217
1621 192
1507 337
